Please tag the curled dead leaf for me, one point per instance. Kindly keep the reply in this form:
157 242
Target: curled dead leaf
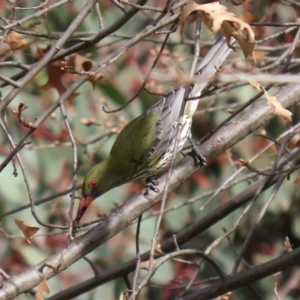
16 41
273 102
247 17
28 231
215 16
78 64
43 287
279 109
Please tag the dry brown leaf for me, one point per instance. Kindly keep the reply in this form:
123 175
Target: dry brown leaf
216 16
248 17
43 287
28 231
16 41
279 109
273 102
79 64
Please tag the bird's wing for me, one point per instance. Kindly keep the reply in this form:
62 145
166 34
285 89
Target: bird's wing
149 136
169 114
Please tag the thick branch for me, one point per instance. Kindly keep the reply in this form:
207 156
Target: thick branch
247 276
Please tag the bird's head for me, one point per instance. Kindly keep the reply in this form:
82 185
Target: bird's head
94 185
101 178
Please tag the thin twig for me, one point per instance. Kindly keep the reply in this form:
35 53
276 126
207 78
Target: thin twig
74 169
137 253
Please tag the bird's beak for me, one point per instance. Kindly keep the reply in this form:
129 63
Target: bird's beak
82 207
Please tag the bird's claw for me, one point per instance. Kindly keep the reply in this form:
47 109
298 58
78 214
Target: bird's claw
150 185
199 158
75 228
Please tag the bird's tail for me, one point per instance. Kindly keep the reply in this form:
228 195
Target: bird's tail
207 68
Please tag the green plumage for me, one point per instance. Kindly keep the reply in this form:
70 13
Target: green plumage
139 148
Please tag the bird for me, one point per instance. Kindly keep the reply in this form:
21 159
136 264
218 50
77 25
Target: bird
145 145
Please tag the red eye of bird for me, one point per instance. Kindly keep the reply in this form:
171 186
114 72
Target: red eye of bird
92 184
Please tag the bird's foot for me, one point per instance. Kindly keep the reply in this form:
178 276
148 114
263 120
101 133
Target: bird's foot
75 227
199 158
150 185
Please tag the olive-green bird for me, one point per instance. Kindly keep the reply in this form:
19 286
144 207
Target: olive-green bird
145 145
